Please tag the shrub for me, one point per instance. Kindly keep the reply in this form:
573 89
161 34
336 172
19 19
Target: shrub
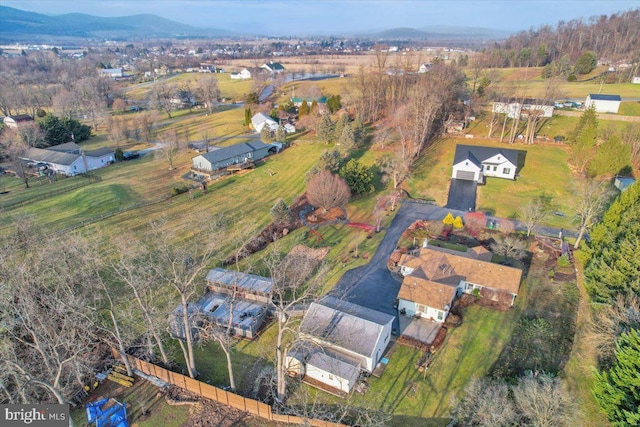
119 154
572 78
179 190
563 261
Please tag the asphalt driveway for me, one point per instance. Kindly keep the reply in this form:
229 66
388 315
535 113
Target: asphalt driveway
371 285
462 195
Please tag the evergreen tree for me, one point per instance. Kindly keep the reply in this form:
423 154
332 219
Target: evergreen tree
334 103
341 123
280 212
359 131
584 138
314 107
304 109
247 116
617 390
330 160
347 140
326 129
610 157
586 63
359 178
281 134
265 135
613 265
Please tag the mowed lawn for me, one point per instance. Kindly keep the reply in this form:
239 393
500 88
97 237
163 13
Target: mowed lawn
545 172
419 399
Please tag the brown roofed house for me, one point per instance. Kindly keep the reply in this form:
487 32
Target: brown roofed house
433 278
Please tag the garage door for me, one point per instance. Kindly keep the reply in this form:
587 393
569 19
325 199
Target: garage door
469 176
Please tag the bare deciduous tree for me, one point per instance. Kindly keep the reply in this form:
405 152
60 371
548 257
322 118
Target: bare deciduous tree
510 246
533 213
208 91
591 202
326 190
291 290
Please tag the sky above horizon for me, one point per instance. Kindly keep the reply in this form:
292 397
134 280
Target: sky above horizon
307 17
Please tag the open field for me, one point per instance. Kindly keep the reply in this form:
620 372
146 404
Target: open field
528 82
230 89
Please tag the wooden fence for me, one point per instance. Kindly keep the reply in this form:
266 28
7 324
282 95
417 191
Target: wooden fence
219 395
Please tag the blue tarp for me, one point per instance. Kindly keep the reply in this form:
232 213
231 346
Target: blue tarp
114 416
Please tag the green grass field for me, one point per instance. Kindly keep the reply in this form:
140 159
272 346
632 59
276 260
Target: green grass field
229 89
545 172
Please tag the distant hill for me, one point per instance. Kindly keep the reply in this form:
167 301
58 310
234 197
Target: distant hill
441 32
20 25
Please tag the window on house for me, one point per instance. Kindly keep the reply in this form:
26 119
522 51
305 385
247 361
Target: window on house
506 171
495 168
440 315
330 376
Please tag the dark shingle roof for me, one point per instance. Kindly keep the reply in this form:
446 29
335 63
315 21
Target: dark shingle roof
232 151
603 97
478 154
21 118
99 152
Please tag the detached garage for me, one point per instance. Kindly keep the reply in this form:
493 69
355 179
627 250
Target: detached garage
603 103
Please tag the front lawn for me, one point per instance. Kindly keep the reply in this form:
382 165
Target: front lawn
545 172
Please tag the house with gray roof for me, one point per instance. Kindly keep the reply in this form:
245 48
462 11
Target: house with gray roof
69 159
347 339
249 286
474 163
68 164
18 120
239 154
240 298
603 103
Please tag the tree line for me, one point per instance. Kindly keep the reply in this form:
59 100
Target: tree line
613 37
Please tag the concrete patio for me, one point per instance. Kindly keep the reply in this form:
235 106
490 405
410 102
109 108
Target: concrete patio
419 329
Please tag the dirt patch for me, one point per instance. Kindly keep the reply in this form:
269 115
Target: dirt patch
206 412
319 217
315 253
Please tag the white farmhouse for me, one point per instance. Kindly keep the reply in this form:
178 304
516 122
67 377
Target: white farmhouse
517 108
603 103
245 74
260 120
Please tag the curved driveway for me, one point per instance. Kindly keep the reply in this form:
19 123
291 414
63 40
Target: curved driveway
371 285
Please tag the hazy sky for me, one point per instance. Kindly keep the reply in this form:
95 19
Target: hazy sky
291 17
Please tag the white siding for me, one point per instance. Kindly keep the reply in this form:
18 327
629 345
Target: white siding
603 106
75 168
498 166
329 379
424 311
99 162
467 166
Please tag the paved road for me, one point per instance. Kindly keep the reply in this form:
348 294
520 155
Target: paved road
371 285
462 195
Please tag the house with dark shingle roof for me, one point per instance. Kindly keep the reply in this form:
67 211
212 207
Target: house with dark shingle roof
603 103
14 122
273 67
474 163
433 278
238 154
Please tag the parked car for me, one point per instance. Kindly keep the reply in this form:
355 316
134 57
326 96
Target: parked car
130 155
